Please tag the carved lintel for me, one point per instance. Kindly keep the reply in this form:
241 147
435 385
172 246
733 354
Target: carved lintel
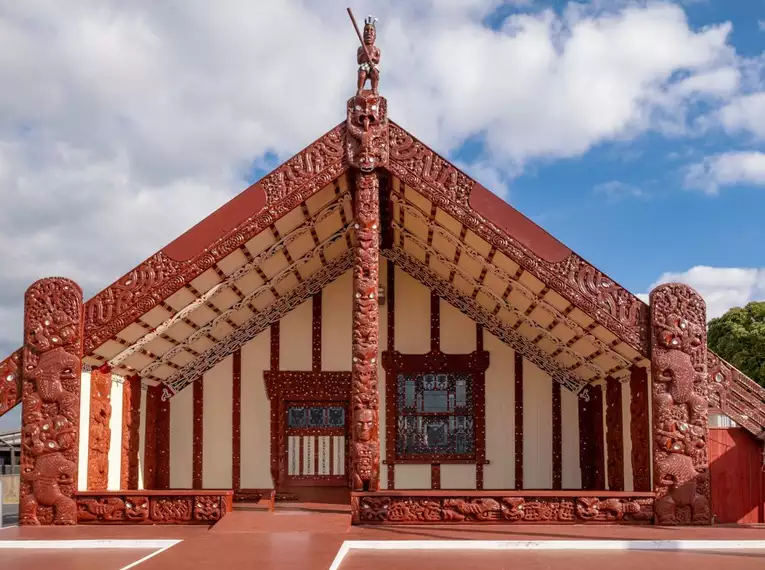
50 413
680 401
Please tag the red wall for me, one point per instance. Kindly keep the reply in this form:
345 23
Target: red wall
737 478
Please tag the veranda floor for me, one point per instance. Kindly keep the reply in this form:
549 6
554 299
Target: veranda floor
308 537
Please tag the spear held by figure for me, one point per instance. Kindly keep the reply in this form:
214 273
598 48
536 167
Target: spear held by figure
368 55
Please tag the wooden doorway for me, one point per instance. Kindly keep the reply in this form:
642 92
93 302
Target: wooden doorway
736 465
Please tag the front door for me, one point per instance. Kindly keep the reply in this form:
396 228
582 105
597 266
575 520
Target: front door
316 444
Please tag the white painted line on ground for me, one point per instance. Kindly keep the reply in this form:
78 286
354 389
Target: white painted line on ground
669 545
86 544
145 558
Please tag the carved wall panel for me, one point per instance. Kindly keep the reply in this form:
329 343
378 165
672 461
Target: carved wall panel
365 398
131 423
499 508
640 429
177 507
10 382
52 366
680 388
100 432
614 435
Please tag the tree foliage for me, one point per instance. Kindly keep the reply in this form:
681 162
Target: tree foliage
739 337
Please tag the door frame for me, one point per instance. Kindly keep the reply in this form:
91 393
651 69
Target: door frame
297 386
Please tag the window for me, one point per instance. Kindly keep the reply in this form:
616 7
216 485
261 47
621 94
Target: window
435 416
315 417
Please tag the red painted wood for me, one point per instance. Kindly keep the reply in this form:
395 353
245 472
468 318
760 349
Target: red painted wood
163 444
198 435
153 395
518 421
236 420
737 478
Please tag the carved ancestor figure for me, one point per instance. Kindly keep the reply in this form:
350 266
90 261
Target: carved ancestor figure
366 451
679 371
368 57
50 403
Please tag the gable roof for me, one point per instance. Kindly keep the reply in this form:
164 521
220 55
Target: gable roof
286 236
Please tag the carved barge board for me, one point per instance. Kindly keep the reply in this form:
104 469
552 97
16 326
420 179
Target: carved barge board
50 414
153 507
501 507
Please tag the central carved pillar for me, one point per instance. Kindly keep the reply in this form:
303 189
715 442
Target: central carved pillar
50 409
679 389
364 392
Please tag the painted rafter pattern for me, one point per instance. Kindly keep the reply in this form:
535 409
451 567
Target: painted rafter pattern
245 300
480 315
258 323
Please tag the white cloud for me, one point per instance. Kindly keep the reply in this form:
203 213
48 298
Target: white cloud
721 287
123 123
727 169
745 114
615 190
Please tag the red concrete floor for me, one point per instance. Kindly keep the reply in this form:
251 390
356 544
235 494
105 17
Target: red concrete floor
308 537
96 559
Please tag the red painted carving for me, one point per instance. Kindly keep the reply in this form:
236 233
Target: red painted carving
51 400
162 445
448 507
197 449
736 395
365 447
593 292
131 423
153 400
518 385
639 429
100 432
146 507
368 56
614 434
591 460
10 382
236 418
557 436
680 385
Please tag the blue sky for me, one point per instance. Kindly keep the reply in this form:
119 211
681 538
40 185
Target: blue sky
631 130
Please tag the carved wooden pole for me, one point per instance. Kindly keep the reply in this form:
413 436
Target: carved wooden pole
364 393
679 388
50 413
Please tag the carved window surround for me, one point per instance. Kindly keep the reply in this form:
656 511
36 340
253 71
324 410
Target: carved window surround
436 361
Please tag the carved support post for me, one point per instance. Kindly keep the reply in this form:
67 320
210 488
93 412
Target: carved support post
364 392
100 432
679 390
50 413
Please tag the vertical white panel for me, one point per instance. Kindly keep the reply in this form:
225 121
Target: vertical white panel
255 415
115 441
412 476
382 346
629 483
457 476
217 442
82 461
293 455
142 437
458 332
338 455
537 428
337 323
309 455
295 340
181 438
500 415
412 300
571 472
324 459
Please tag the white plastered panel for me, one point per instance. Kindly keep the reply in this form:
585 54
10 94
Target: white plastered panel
181 438
458 331
115 441
295 342
336 323
82 461
217 443
537 428
412 300
255 466
500 415
409 476
457 476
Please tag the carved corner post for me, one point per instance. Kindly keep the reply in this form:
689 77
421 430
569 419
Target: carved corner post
366 149
679 389
50 413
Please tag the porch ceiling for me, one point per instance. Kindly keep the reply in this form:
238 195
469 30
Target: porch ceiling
246 290
529 314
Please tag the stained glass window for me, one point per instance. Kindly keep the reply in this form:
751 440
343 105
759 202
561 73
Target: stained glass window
435 415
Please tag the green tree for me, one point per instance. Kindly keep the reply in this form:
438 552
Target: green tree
739 337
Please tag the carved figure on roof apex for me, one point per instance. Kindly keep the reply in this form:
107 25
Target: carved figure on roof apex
368 57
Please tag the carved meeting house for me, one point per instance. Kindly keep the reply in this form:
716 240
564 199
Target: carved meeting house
368 325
